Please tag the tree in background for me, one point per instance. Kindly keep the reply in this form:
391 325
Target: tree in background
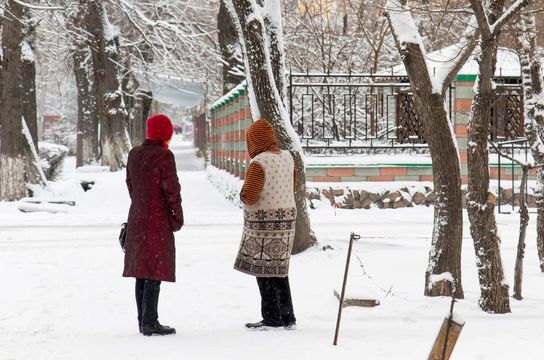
429 81
530 44
480 201
87 110
260 32
114 144
18 154
231 53
28 47
336 36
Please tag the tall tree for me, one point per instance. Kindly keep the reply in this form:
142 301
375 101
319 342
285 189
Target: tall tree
530 36
29 75
17 164
87 110
107 78
494 296
231 53
429 93
266 91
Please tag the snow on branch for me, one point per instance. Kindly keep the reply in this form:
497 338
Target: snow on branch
445 276
506 16
448 69
251 94
402 23
491 30
38 7
442 67
32 146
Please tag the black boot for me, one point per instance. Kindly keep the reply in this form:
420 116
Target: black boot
150 300
262 326
157 329
286 303
270 306
140 283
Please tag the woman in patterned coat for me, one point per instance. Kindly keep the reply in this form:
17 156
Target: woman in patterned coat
269 225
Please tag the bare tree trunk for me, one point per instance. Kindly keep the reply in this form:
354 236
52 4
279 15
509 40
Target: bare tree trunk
481 202
28 69
147 100
230 50
531 48
87 111
134 100
523 221
481 205
29 91
107 77
16 165
445 253
268 100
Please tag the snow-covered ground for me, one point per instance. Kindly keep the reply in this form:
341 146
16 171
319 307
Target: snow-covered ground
63 297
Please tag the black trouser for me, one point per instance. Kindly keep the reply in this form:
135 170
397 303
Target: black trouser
276 303
147 300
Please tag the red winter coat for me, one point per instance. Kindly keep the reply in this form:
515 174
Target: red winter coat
155 213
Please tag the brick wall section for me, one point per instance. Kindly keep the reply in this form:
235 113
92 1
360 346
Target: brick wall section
462 108
413 172
230 118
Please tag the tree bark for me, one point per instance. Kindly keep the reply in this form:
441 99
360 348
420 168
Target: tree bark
270 107
30 111
530 47
112 113
137 102
17 167
87 111
523 221
29 91
230 49
494 297
445 253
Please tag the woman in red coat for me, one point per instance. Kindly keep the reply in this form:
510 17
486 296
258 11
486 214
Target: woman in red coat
155 214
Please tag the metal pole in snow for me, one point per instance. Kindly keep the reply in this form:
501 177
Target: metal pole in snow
352 237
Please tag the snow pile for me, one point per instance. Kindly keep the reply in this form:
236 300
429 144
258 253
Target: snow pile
227 184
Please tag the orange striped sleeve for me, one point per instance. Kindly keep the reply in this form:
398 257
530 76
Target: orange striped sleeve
253 184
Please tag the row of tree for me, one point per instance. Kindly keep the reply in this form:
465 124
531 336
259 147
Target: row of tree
107 57
260 32
490 21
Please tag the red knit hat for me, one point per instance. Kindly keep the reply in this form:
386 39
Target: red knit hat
159 127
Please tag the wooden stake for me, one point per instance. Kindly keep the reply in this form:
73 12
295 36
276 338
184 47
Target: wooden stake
447 337
352 237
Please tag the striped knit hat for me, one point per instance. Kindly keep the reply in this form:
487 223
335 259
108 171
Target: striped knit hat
260 137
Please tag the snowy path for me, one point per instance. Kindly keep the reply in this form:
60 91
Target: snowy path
63 296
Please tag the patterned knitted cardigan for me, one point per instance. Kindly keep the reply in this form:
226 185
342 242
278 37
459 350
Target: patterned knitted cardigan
268 234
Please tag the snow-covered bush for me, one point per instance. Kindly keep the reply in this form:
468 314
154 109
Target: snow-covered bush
51 158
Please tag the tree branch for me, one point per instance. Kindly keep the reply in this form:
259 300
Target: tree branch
481 18
506 16
469 45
